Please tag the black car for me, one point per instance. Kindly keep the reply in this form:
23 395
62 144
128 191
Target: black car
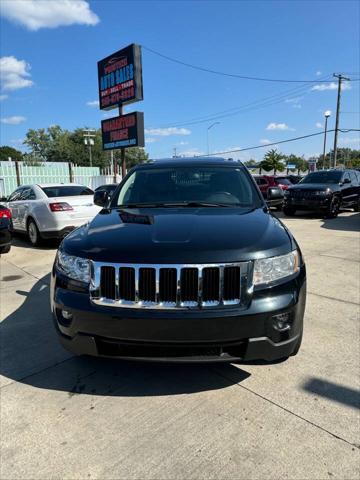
326 190
5 229
184 263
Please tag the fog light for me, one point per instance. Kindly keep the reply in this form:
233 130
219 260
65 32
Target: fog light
67 315
281 322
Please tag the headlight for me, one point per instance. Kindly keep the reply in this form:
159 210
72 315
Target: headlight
74 267
322 193
267 270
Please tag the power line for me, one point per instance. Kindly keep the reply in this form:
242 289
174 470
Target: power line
233 75
344 130
261 103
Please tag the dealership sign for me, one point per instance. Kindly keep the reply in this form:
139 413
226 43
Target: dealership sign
123 131
120 78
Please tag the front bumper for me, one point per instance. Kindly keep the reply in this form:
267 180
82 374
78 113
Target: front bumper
219 334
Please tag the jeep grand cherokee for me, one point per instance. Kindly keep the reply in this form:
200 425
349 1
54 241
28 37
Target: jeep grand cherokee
184 263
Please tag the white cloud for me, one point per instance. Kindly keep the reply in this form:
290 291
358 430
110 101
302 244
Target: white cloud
150 140
318 73
264 141
14 120
3 97
166 132
183 143
278 126
35 14
318 125
17 141
92 103
13 73
330 86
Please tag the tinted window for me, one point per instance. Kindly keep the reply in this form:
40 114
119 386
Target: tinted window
282 181
323 177
353 178
218 185
15 195
28 194
261 181
66 191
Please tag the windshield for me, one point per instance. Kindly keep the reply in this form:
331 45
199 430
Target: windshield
66 191
322 177
189 186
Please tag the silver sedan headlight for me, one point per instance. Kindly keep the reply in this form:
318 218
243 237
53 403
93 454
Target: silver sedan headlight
74 267
268 270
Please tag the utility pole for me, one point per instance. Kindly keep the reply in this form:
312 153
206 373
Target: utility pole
340 79
174 156
89 136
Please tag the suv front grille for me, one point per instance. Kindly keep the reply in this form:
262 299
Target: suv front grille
303 194
170 286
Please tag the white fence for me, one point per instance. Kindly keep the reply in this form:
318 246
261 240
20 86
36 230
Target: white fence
13 174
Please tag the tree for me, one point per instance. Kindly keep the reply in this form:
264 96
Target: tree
38 142
273 161
299 162
7 152
133 156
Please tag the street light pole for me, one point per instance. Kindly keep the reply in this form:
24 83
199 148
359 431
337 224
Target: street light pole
340 79
327 115
89 136
207 135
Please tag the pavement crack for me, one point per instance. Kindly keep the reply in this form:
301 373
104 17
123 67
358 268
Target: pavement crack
25 271
354 445
333 298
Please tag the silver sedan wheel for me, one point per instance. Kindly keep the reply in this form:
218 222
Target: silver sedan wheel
33 234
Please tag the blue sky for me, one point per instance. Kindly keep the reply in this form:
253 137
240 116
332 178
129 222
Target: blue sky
53 46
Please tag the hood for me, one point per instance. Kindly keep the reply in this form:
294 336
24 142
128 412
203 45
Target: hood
179 235
315 186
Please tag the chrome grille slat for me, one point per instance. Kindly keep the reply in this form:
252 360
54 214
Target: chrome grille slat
173 286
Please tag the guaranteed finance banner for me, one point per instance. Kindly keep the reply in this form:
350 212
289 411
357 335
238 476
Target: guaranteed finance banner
123 132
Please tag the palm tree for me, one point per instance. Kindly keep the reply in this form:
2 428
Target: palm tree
272 161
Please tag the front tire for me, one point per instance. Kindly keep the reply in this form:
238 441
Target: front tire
289 211
334 208
33 233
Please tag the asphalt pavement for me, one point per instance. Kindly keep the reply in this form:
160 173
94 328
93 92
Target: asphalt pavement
66 417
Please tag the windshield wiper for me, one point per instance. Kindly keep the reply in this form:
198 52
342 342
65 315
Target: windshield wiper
175 204
197 204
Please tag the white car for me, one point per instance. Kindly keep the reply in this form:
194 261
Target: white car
47 211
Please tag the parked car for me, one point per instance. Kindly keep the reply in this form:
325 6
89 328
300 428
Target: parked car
184 263
47 211
325 190
266 181
5 229
109 188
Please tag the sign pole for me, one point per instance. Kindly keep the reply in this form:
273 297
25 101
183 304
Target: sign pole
123 161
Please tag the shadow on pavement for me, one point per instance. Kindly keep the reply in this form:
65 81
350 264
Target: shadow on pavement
349 223
31 354
21 240
337 393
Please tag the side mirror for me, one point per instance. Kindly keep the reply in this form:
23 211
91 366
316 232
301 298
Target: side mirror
346 180
101 198
275 193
